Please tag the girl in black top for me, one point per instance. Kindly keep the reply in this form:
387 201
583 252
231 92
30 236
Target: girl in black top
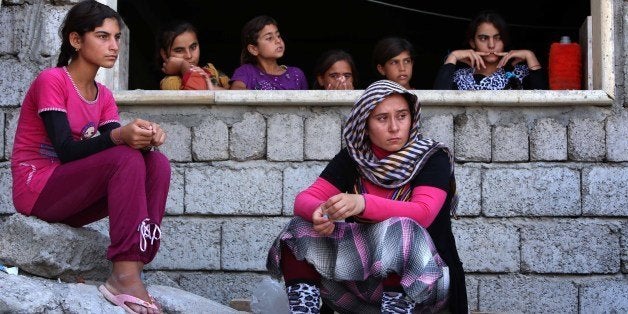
489 65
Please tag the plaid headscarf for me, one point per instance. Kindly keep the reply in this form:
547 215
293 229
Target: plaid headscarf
398 168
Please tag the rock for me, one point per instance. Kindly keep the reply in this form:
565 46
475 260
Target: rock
53 250
174 300
24 294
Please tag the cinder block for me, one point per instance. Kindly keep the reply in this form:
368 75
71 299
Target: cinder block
510 143
605 191
469 186
178 145
322 137
616 139
548 140
604 296
245 242
439 128
472 292
531 192
472 137
586 140
15 80
188 244
71 2
174 203
297 179
232 285
6 194
570 247
48 31
222 190
8 17
624 246
487 245
526 294
210 140
285 138
2 142
127 117
248 137
14 2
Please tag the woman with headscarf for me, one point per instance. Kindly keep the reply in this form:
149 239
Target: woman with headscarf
373 233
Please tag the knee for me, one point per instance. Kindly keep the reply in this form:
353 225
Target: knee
156 162
406 221
125 156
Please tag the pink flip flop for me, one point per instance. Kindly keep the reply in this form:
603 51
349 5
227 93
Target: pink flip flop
121 299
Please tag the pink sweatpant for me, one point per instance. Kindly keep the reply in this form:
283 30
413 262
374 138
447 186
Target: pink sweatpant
120 182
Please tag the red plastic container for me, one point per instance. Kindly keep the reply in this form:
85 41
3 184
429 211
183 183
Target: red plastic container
565 66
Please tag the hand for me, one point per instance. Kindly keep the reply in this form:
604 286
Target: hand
340 84
343 205
175 66
204 75
137 134
172 66
321 223
516 56
159 136
469 56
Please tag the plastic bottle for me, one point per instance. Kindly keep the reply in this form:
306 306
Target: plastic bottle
269 297
565 65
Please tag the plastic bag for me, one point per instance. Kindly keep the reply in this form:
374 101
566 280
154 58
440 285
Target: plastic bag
269 297
9 270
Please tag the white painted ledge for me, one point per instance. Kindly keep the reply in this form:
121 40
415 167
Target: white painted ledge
528 98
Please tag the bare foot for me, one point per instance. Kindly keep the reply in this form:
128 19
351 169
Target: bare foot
125 279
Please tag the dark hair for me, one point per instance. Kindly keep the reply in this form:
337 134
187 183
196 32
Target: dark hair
83 17
168 33
491 17
390 47
327 59
250 32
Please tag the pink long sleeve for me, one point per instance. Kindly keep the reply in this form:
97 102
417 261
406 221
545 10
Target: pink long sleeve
424 206
309 199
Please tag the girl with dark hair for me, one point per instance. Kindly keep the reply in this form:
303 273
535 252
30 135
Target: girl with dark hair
490 64
335 69
373 233
393 58
66 172
179 53
262 46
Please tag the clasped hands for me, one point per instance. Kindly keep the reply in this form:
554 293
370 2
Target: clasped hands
141 134
337 207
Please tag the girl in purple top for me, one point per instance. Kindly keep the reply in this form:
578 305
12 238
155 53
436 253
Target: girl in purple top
74 163
262 46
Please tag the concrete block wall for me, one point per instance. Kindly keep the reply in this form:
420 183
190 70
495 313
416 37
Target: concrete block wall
533 231
543 214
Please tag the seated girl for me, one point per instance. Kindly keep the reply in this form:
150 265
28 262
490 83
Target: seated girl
335 70
373 232
490 64
262 46
394 59
179 53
